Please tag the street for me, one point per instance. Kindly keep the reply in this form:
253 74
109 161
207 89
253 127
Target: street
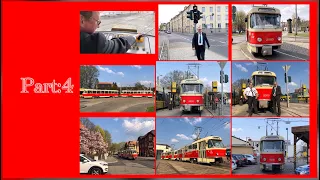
291 49
144 22
177 167
116 104
294 110
180 46
205 112
142 165
255 169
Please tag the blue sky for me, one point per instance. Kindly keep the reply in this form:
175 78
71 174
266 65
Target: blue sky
125 129
180 131
299 71
208 71
127 75
244 127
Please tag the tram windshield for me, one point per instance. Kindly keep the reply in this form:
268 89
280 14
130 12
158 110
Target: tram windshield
263 80
192 88
272 146
265 21
212 143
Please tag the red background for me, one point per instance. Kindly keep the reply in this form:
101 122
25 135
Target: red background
40 132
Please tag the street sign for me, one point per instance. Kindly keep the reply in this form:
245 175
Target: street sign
222 64
286 68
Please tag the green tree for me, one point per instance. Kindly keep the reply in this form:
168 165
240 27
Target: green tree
173 76
102 132
239 21
108 137
138 86
89 76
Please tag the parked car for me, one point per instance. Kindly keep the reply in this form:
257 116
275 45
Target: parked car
243 158
234 164
251 159
238 160
303 170
91 166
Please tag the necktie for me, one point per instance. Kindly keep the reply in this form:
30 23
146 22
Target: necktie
200 39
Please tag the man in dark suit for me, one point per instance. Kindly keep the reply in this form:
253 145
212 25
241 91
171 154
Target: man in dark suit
198 43
94 43
276 93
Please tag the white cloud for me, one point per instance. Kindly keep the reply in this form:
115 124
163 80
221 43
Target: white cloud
293 84
147 83
173 140
138 126
241 68
192 122
116 119
236 129
137 66
110 71
227 125
205 79
120 73
184 137
193 136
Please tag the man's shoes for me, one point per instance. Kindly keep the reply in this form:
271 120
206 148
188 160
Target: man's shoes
250 115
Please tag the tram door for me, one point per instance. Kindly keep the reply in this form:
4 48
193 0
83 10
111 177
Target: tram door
202 151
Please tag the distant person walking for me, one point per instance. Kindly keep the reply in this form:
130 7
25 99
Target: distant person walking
276 93
198 43
251 94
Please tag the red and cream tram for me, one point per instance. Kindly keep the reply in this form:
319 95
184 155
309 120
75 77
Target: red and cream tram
191 95
95 93
272 153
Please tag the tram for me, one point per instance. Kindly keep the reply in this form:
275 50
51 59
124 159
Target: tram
137 93
98 93
272 153
191 95
95 93
130 154
207 150
264 32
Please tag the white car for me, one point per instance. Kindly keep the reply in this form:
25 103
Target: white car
234 164
91 166
251 159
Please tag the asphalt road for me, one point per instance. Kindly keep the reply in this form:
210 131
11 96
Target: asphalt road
290 50
180 46
139 166
144 22
116 104
294 110
255 169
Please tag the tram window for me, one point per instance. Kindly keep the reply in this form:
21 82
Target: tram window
190 147
214 143
194 146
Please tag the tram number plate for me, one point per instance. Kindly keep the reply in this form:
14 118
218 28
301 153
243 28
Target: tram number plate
191 101
271 159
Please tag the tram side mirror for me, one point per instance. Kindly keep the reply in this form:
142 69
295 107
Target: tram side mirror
257 145
245 19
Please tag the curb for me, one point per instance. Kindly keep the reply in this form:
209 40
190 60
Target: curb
111 162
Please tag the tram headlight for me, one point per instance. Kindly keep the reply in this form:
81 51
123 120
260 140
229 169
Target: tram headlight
264 159
184 101
197 101
279 38
279 159
259 39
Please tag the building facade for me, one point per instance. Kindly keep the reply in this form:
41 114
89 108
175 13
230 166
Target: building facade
146 144
104 85
161 148
215 19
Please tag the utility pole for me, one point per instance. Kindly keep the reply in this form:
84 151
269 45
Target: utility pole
287 80
223 79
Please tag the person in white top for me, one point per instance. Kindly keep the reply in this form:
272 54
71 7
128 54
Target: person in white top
251 94
198 43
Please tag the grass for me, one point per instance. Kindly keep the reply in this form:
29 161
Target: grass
150 109
299 34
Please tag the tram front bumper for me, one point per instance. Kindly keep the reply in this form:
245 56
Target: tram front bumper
188 107
266 50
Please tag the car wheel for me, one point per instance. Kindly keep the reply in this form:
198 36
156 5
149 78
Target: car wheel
249 162
95 171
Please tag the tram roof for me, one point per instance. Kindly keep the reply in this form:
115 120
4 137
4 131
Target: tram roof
302 132
271 138
264 9
191 81
207 138
264 73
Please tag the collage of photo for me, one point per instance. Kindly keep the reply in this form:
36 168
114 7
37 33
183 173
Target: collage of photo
227 94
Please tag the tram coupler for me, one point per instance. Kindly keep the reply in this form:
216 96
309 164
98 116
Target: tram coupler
266 50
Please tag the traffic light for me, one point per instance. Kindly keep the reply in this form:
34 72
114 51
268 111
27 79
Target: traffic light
214 86
195 16
190 15
285 78
200 15
226 78
234 10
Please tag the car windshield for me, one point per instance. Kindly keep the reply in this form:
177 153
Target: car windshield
88 158
192 88
263 80
265 21
272 146
215 143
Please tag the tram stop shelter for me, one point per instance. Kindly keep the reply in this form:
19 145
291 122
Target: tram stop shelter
300 133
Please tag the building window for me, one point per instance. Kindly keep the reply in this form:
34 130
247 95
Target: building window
211 18
227 8
227 25
219 25
226 17
203 9
211 9
218 9
219 18
211 25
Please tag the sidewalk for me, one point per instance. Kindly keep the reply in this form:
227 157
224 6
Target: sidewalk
147 158
186 53
111 159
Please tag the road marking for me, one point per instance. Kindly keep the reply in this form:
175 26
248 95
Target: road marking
222 42
290 55
245 54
